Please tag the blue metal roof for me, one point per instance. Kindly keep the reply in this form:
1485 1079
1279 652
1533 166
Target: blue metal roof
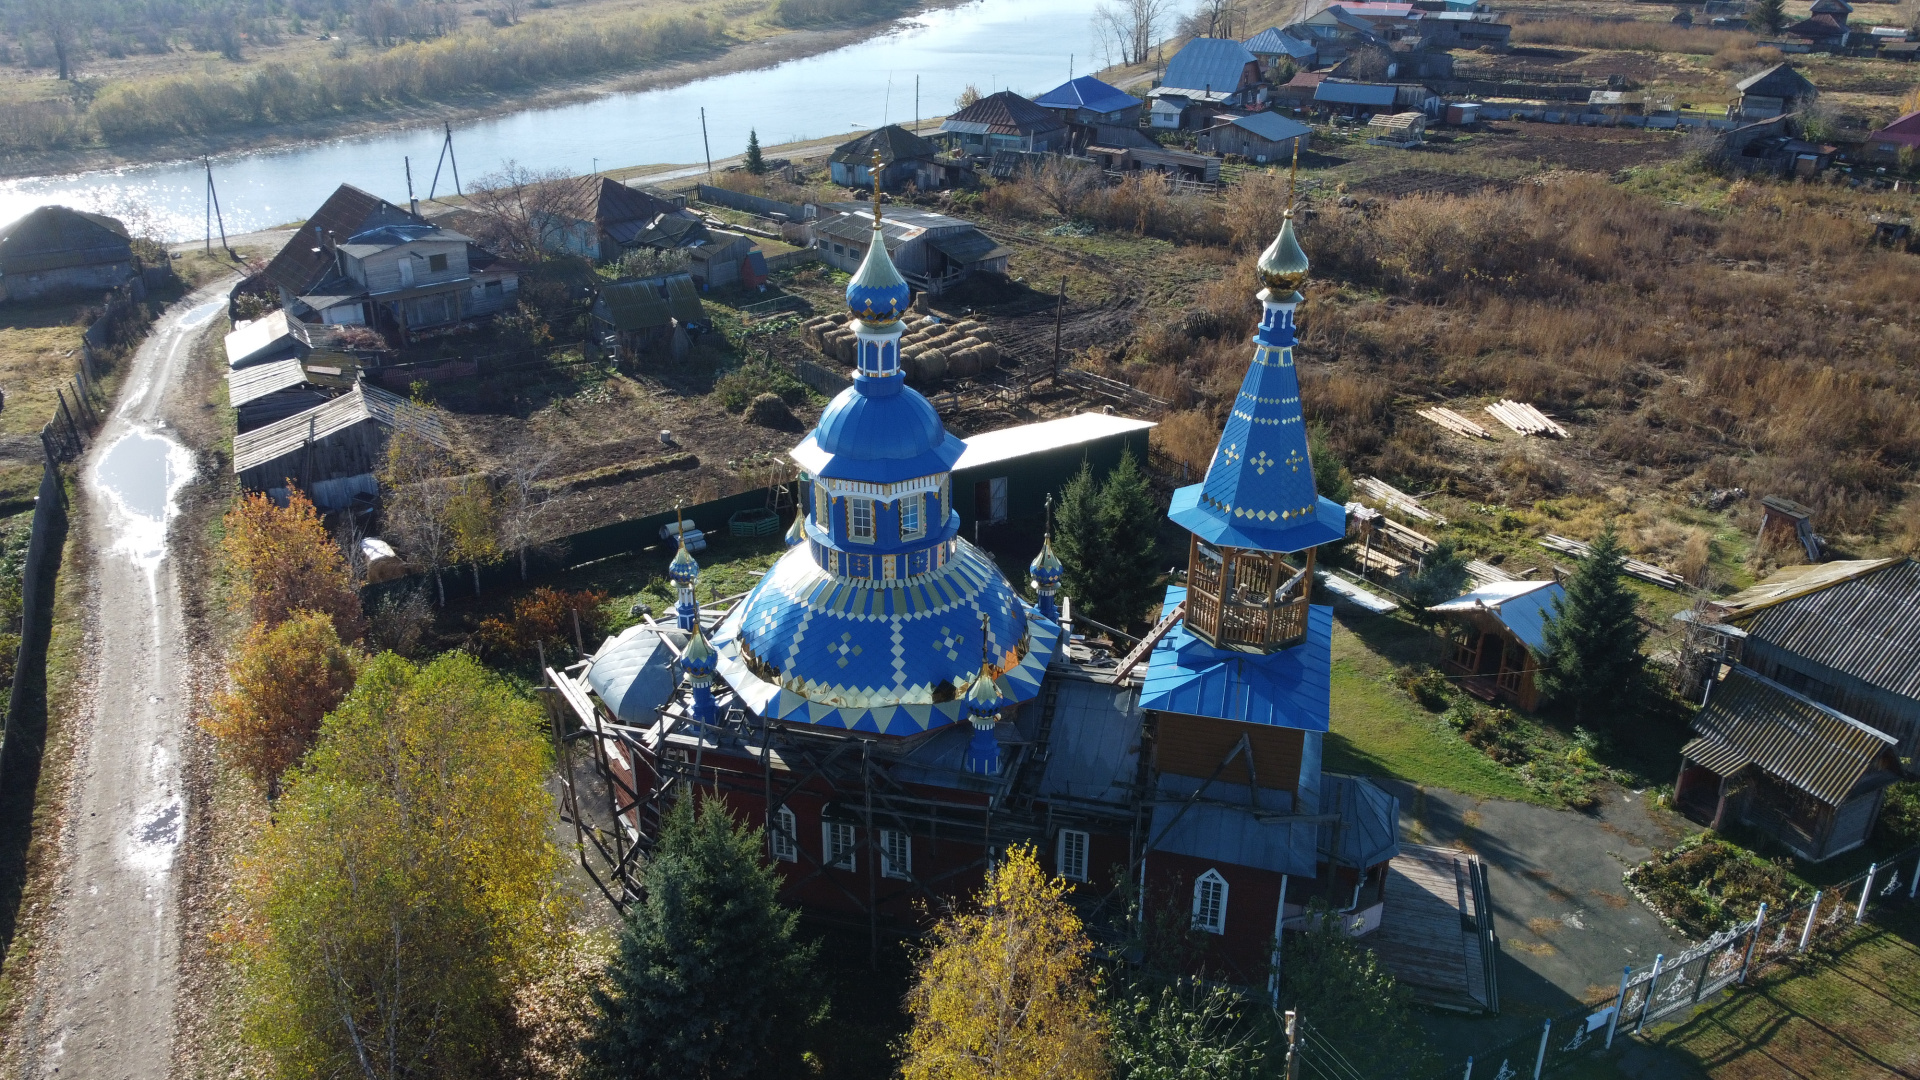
1215 64
1291 688
634 674
1521 606
880 431
810 646
1274 41
1089 93
1240 836
1369 826
1354 93
1271 126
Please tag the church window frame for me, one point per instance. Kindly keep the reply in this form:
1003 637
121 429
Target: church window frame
838 845
1210 903
1071 858
913 517
822 506
860 520
783 837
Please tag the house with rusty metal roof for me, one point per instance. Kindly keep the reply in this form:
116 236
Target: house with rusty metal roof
1846 634
1769 757
55 249
1005 121
905 158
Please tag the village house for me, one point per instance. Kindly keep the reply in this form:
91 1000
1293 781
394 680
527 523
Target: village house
1825 26
1499 636
1277 45
648 319
1335 32
1842 633
725 258
1771 758
932 251
1005 121
1206 76
1342 97
1886 145
333 451
1772 146
1389 21
891 708
604 218
905 158
1297 93
1086 102
56 250
363 261
1777 91
1259 137
1465 30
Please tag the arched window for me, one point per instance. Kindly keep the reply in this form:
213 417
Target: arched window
1210 903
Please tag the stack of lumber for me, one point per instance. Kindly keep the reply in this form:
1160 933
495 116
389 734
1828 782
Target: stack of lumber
1648 572
1399 535
1525 419
1371 559
1456 423
931 349
1394 499
1484 572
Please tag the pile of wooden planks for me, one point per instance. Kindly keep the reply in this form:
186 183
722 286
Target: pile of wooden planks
1648 572
1525 419
1394 499
1456 423
1484 572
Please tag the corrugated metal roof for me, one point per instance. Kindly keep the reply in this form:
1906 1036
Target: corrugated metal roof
1004 113
1715 754
1290 688
1521 606
1087 92
358 405
298 267
1216 64
640 305
53 237
1094 750
270 333
1275 41
1866 625
1271 126
1005 444
894 142
1789 582
1780 80
1786 735
968 246
254 383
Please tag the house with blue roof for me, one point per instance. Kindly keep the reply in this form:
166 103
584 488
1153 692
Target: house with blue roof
1258 137
1206 75
1087 102
1278 44
895 711
1499 635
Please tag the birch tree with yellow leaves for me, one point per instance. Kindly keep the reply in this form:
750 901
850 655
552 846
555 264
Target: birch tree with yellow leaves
1006 990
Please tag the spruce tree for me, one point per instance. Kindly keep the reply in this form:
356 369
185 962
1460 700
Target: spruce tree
1594 635
1442 576
1129 527
709 981
1330 476
1768 16
755 163
1076 535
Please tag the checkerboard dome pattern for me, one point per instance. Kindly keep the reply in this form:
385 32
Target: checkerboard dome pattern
839 652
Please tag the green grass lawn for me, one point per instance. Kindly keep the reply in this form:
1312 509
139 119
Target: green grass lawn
1853 1016
1379 731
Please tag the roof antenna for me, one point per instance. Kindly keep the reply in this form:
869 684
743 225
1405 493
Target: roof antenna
1294 176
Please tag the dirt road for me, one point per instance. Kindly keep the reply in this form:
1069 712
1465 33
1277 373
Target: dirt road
103 1002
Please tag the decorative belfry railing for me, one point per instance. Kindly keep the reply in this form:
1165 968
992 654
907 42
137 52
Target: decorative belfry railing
1241 598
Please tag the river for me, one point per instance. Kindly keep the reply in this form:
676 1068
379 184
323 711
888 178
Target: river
1028 46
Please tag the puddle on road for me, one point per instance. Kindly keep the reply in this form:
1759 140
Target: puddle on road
142 473
156 835
198 317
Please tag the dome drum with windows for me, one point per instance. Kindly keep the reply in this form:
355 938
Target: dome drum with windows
874 618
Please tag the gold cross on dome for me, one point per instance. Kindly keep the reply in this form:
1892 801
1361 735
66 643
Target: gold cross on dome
1294 459
1260 462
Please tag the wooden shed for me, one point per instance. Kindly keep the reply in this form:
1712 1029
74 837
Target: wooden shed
648 318
344 439
274 391
1785 523
1805 774
1499 634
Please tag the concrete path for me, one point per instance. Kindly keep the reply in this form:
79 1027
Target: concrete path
103 1001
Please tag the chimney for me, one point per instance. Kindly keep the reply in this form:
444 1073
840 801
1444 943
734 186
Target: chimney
416 206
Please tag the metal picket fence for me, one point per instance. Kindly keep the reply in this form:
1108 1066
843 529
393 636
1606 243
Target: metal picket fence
1674 983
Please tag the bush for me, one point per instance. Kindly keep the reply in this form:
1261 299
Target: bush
1706 883
545 616
1428 686
756 376
1900 815
809 12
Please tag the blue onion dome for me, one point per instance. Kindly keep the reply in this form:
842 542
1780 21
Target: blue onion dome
878 295
797 532
699 657
1046 568
683 569
867 423
1283 266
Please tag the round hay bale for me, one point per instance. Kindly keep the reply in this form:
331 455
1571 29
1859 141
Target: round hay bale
966 326
964 364
968 342
990 356
844 350
928 368
908 352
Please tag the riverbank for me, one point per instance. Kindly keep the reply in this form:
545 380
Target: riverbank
746 55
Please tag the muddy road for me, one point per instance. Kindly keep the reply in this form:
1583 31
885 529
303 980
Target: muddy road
102 1003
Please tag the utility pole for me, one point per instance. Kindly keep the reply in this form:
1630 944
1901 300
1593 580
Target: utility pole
704 145
413 204
1293 1059
916 104
213 214
445 158
1059 309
